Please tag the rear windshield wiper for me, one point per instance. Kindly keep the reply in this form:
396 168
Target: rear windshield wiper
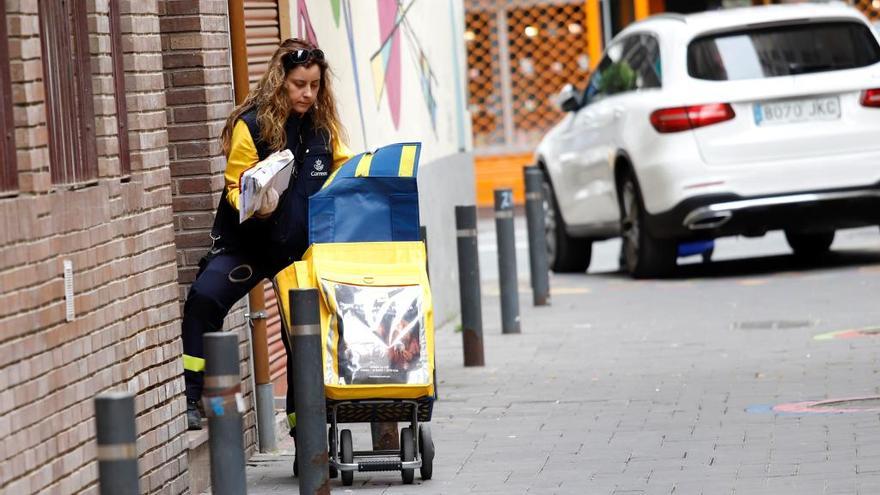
799 68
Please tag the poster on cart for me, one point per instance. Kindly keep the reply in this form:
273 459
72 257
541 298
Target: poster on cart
381 334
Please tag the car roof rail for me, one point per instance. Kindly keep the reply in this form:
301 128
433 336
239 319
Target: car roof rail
670 15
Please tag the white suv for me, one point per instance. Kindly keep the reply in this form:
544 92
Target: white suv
722 123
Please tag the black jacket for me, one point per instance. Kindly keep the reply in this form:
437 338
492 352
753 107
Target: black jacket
283 236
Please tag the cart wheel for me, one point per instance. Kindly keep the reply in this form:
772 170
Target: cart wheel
407 454
331 441
426 449
347 455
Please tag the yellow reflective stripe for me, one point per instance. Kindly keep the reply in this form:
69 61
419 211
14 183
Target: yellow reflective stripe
363 168
291 420
191 363
407 161
330 179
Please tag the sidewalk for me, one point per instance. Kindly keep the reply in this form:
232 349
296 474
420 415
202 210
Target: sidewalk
624 387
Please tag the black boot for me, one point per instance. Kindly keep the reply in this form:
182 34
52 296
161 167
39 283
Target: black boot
193 415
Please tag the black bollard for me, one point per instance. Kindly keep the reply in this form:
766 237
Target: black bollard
469 285
224 406
308 381
117 448
539 270
507 261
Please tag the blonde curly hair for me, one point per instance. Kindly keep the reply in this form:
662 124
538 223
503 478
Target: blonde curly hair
273 105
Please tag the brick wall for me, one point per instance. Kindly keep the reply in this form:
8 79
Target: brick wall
198 81
120 237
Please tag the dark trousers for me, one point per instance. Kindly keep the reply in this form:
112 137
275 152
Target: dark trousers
225 279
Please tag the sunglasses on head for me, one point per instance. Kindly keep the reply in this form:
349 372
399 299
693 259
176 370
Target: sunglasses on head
301 56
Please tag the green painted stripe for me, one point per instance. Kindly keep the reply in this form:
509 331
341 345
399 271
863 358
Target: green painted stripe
826 336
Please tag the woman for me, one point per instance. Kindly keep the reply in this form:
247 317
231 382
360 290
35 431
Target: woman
292 107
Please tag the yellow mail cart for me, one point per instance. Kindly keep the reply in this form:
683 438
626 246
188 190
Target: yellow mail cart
377 330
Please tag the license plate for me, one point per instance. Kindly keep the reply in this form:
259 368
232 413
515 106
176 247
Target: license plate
793 111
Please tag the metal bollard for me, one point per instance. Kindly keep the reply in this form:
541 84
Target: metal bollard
507 261
538 266
469 285
117 444
224 406
264 389
308 381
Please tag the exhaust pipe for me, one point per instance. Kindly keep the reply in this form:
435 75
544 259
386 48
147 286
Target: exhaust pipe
706 219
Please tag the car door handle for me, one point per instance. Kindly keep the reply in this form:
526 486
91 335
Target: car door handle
618 112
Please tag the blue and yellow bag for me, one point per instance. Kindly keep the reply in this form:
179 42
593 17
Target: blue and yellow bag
372 197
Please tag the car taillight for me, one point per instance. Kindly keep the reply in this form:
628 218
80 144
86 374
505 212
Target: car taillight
871 98
683 118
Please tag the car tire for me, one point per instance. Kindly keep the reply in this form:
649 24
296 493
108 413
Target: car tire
565 254
643 255
809 245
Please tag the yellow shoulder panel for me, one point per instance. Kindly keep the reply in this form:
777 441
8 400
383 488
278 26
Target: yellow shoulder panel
242 156
341 154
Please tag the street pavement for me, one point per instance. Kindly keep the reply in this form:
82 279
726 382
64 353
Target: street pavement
658 387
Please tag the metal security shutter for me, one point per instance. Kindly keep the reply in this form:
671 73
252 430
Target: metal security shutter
277 355
263 33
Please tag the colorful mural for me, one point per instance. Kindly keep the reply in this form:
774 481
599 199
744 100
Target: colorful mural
400 42
334 4
426 75
385 62
304 22
349 31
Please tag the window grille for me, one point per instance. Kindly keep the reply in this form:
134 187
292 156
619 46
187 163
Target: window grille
520 54
67 79
871 9
119 87
8 168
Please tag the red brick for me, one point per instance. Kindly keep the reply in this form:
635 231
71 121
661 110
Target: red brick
183 7
190 132
195 41
194 149
201 76
30 92
141 43
180 24
196 203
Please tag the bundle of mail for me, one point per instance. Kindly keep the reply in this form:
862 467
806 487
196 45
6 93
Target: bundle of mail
273 172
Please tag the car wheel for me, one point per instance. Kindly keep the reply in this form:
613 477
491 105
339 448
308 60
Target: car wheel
809 245
644 256
565 254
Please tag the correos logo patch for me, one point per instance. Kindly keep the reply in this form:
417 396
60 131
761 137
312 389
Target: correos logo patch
318 167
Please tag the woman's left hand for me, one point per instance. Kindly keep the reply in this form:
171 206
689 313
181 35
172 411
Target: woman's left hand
270 202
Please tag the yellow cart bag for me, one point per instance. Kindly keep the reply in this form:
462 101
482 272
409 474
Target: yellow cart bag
377 319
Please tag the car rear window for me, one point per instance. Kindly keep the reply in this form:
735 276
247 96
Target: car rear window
782 50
